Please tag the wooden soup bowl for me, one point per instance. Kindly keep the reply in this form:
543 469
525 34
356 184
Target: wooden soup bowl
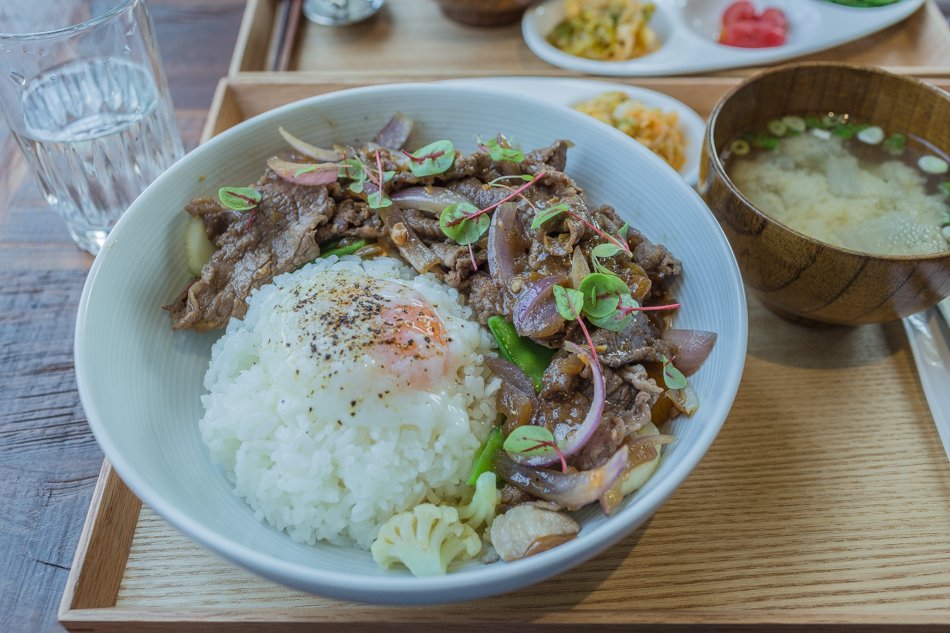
793 274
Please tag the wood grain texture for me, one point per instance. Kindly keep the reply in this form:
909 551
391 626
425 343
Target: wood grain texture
49 460
807 509
823 505
795 274
414 37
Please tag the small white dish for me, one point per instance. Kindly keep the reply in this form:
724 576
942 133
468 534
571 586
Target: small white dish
141 382
568 92
688 29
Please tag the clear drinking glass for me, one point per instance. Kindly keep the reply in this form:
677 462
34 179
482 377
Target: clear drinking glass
84 94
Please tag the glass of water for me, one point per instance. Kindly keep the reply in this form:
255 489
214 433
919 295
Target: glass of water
83 92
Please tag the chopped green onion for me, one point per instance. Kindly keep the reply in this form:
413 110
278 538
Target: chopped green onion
739 147
933 164
794 123
895 144
812 121
827 122
777 128
843 130
763 141
872 135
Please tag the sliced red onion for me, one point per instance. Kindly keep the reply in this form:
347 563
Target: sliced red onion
395 133
504 242
430 199
582 434
694 346
535 313
302 174
512 375
317 153
569 490
413 249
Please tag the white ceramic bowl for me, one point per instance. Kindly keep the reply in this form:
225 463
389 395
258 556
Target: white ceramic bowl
140 382
569 92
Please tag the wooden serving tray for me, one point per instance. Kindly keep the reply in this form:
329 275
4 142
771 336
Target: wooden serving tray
411 37
824 504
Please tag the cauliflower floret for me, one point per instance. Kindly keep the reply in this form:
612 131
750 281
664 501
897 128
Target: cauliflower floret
481 509
425 539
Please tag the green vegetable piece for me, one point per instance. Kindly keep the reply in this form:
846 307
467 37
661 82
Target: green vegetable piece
895 144
198 249
468 231
239 198
434 158
530 357
530 441
602 293
673 377
945 188
812 122
485 455
777 128
763 141
569 302
739 147
502 151
546 214
619 319
794 123
826 122
843 130
340 251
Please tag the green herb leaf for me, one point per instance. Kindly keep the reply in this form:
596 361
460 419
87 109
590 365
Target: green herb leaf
468 231
602 294
570 302
503 151
305 169
353 169
619 319
603 251
434 158
239 198
378 200
673 377
529 440
546 214
622 231
843 130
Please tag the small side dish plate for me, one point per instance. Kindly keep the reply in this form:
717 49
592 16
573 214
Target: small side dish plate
569 92
687 30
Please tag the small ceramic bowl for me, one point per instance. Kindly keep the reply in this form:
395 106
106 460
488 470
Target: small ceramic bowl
796 275
484 12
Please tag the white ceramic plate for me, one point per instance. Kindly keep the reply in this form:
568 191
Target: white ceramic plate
568 92
141 383
688 29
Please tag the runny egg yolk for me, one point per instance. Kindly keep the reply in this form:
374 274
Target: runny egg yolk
366 334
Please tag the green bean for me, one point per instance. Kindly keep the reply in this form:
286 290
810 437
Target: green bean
334 248
486 454
532 358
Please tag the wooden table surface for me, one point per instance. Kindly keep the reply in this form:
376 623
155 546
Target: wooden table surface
49 460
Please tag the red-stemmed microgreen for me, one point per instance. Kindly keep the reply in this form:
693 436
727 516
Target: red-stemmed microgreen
602 294
500 149
462 223
378 199
471 256
354 169
672 377
480 212
553 211
241 199
435 158
499 182
570 305
533 441
640 308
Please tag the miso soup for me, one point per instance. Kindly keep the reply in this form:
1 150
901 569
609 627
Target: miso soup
846 183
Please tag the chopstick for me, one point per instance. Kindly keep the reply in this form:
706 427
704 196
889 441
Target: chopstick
285 34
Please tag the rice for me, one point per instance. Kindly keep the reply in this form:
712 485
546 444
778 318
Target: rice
267 420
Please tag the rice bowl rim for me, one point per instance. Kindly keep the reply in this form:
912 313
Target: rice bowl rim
399 588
